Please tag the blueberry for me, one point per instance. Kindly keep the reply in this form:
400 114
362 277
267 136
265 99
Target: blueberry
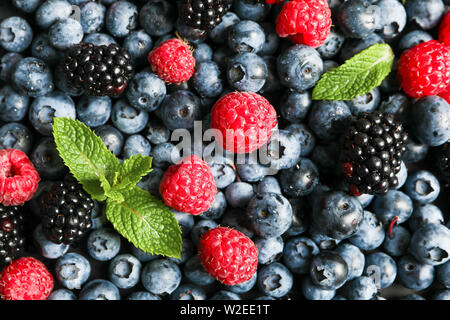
297 254
42 49
328 65
27 6
124 271
352 47
128 119
361 288
92 15
413 38
217 208
99 289
219 33
17 136
423 214
47 161
431 244
443 274
180 109
47 248
246 36
156 132
72 270
252 171
142 295
268 184
239 194
326 118
367 102
328 270
359 18
270 249
272 84
299 217
225 295
441 295
272 40
425 13
93 111
151 181
382 268
103 244
299 67
52 11
337 215
299 180
283 150
412 297
15 34
188 292
7 63
402 175
370 234
354 258
136 144
121 18
99 39
65 33
161 276
187 250
305 137
157 17
251 10
141 255
422 186
111 137
239 220
415 151
194 272
429 120
200 228
398 104
275 280
45 108
207 79
270 214
98 218
312 292
223 172
393 204
185 221
413 274
62 294
13 106
32 77
295 105
138 43
333 43
63 84
393 18
397 243
192 35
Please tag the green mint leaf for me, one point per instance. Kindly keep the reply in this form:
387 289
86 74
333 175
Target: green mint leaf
132 170
146 222
86 156
357 76
109 192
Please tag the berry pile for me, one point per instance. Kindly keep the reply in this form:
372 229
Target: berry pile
277 195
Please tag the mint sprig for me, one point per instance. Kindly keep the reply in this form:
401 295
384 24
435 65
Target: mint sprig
141 218
357 76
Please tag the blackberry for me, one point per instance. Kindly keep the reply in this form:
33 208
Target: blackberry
203 14
371 150
12 240
66 212
98 70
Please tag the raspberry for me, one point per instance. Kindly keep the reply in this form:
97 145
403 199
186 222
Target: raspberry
172 61
18 177
245 121
445 94
424 70
305 22
189 186
25 279
228 255
444 30
274 1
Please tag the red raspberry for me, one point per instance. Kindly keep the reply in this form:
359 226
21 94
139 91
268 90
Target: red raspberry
172 61
228 255
274 1
444 30
424 70
305 22
245 121
445 94
25 279
18 177
189 186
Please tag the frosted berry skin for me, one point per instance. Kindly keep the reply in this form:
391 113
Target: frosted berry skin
172 61
245 121
25 279
424 70
305 22
189 186
228 255
18 177
444 30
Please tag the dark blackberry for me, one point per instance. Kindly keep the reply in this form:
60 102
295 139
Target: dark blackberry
371 151
203 14
12 240
442 156
66 212
98 70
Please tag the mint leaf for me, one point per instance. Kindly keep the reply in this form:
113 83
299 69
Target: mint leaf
132 170
146 222
87 157
357 76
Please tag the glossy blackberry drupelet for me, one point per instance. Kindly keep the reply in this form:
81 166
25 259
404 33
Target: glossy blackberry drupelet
203 14
12 240
66 212
372 148
100 70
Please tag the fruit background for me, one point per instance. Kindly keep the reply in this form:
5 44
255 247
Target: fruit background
246 181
